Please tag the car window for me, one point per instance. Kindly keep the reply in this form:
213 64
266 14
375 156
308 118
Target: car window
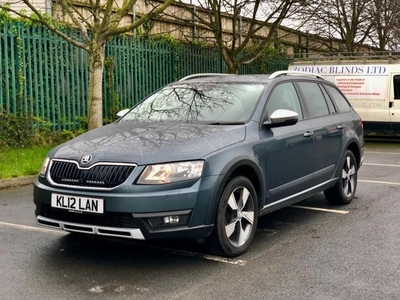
199 102
314 99
340 101
284 96
328 99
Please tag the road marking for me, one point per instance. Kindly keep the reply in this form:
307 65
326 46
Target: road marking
32 228
379 182
220 259
267 232
343 212
381 165
374 152
283 223
97 289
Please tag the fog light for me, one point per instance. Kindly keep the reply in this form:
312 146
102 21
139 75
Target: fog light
170 220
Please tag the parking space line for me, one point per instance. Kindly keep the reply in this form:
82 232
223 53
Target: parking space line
375 152
32 228
267 232
379 182
380 165
216 258
343 212
220 259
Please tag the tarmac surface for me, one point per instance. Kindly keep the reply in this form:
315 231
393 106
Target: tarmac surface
308 251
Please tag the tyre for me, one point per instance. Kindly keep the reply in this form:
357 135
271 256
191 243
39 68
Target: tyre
237 218
345 188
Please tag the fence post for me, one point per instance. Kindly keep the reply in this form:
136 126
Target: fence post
2 68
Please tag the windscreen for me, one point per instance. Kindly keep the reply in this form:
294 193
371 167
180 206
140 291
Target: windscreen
199 102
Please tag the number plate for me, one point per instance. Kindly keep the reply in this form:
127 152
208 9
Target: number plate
78 203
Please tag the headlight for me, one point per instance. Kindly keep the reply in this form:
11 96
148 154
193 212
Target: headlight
172 172
43 168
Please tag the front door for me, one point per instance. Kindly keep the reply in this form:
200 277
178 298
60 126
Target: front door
394 103
289 157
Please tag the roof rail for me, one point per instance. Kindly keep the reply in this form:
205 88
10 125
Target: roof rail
199 75
288 72
390 56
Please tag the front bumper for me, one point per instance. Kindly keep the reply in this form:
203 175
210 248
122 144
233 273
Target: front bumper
91 229
134 233
133 211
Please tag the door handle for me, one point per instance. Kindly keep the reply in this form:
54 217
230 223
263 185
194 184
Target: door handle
391 104
308 134
341 126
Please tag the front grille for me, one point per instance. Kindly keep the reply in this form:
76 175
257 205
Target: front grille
100 175
108 219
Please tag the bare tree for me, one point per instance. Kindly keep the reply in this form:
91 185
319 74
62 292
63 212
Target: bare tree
394 43
96 21
348 22
237 25
385 15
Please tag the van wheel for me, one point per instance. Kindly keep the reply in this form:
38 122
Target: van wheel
344 190
237 218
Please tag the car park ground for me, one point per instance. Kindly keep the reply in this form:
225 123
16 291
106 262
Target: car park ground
312 250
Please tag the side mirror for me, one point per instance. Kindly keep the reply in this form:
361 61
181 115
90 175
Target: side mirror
282 117
123 112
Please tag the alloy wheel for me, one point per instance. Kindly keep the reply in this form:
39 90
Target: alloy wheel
239 216
348 177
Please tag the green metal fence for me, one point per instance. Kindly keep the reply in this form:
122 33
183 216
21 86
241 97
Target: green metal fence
45 76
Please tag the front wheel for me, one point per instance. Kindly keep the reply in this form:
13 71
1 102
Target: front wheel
237 218
344 190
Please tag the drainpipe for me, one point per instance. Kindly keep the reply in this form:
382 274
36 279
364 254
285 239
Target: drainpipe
47 7
134 19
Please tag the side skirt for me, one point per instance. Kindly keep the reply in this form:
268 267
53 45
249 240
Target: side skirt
297 197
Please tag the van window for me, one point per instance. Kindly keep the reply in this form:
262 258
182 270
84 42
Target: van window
314 99
284 96
340 101
396 86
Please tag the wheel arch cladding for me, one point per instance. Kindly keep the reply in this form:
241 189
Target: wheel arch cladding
250 173
353 147
240 168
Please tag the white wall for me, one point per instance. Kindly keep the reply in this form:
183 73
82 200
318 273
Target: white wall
38 4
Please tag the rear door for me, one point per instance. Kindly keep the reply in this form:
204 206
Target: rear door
328 129
394 103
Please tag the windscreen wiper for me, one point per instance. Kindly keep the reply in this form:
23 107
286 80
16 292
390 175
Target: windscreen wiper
226 123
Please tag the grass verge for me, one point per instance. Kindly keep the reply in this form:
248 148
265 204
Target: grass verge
22 162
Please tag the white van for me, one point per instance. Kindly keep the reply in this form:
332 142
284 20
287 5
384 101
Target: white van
371 83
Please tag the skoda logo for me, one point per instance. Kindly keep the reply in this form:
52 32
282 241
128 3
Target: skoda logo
86 159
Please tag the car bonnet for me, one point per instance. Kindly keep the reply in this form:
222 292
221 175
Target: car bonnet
147 143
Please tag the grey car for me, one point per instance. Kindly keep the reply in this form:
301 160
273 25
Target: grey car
203 158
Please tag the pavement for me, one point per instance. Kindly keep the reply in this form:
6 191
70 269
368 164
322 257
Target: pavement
15 182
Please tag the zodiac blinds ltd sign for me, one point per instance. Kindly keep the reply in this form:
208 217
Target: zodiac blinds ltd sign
357 82
343 70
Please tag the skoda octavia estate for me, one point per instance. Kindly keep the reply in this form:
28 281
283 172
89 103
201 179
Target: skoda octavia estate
203 158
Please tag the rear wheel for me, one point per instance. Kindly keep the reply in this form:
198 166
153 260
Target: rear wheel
237 218
344 190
